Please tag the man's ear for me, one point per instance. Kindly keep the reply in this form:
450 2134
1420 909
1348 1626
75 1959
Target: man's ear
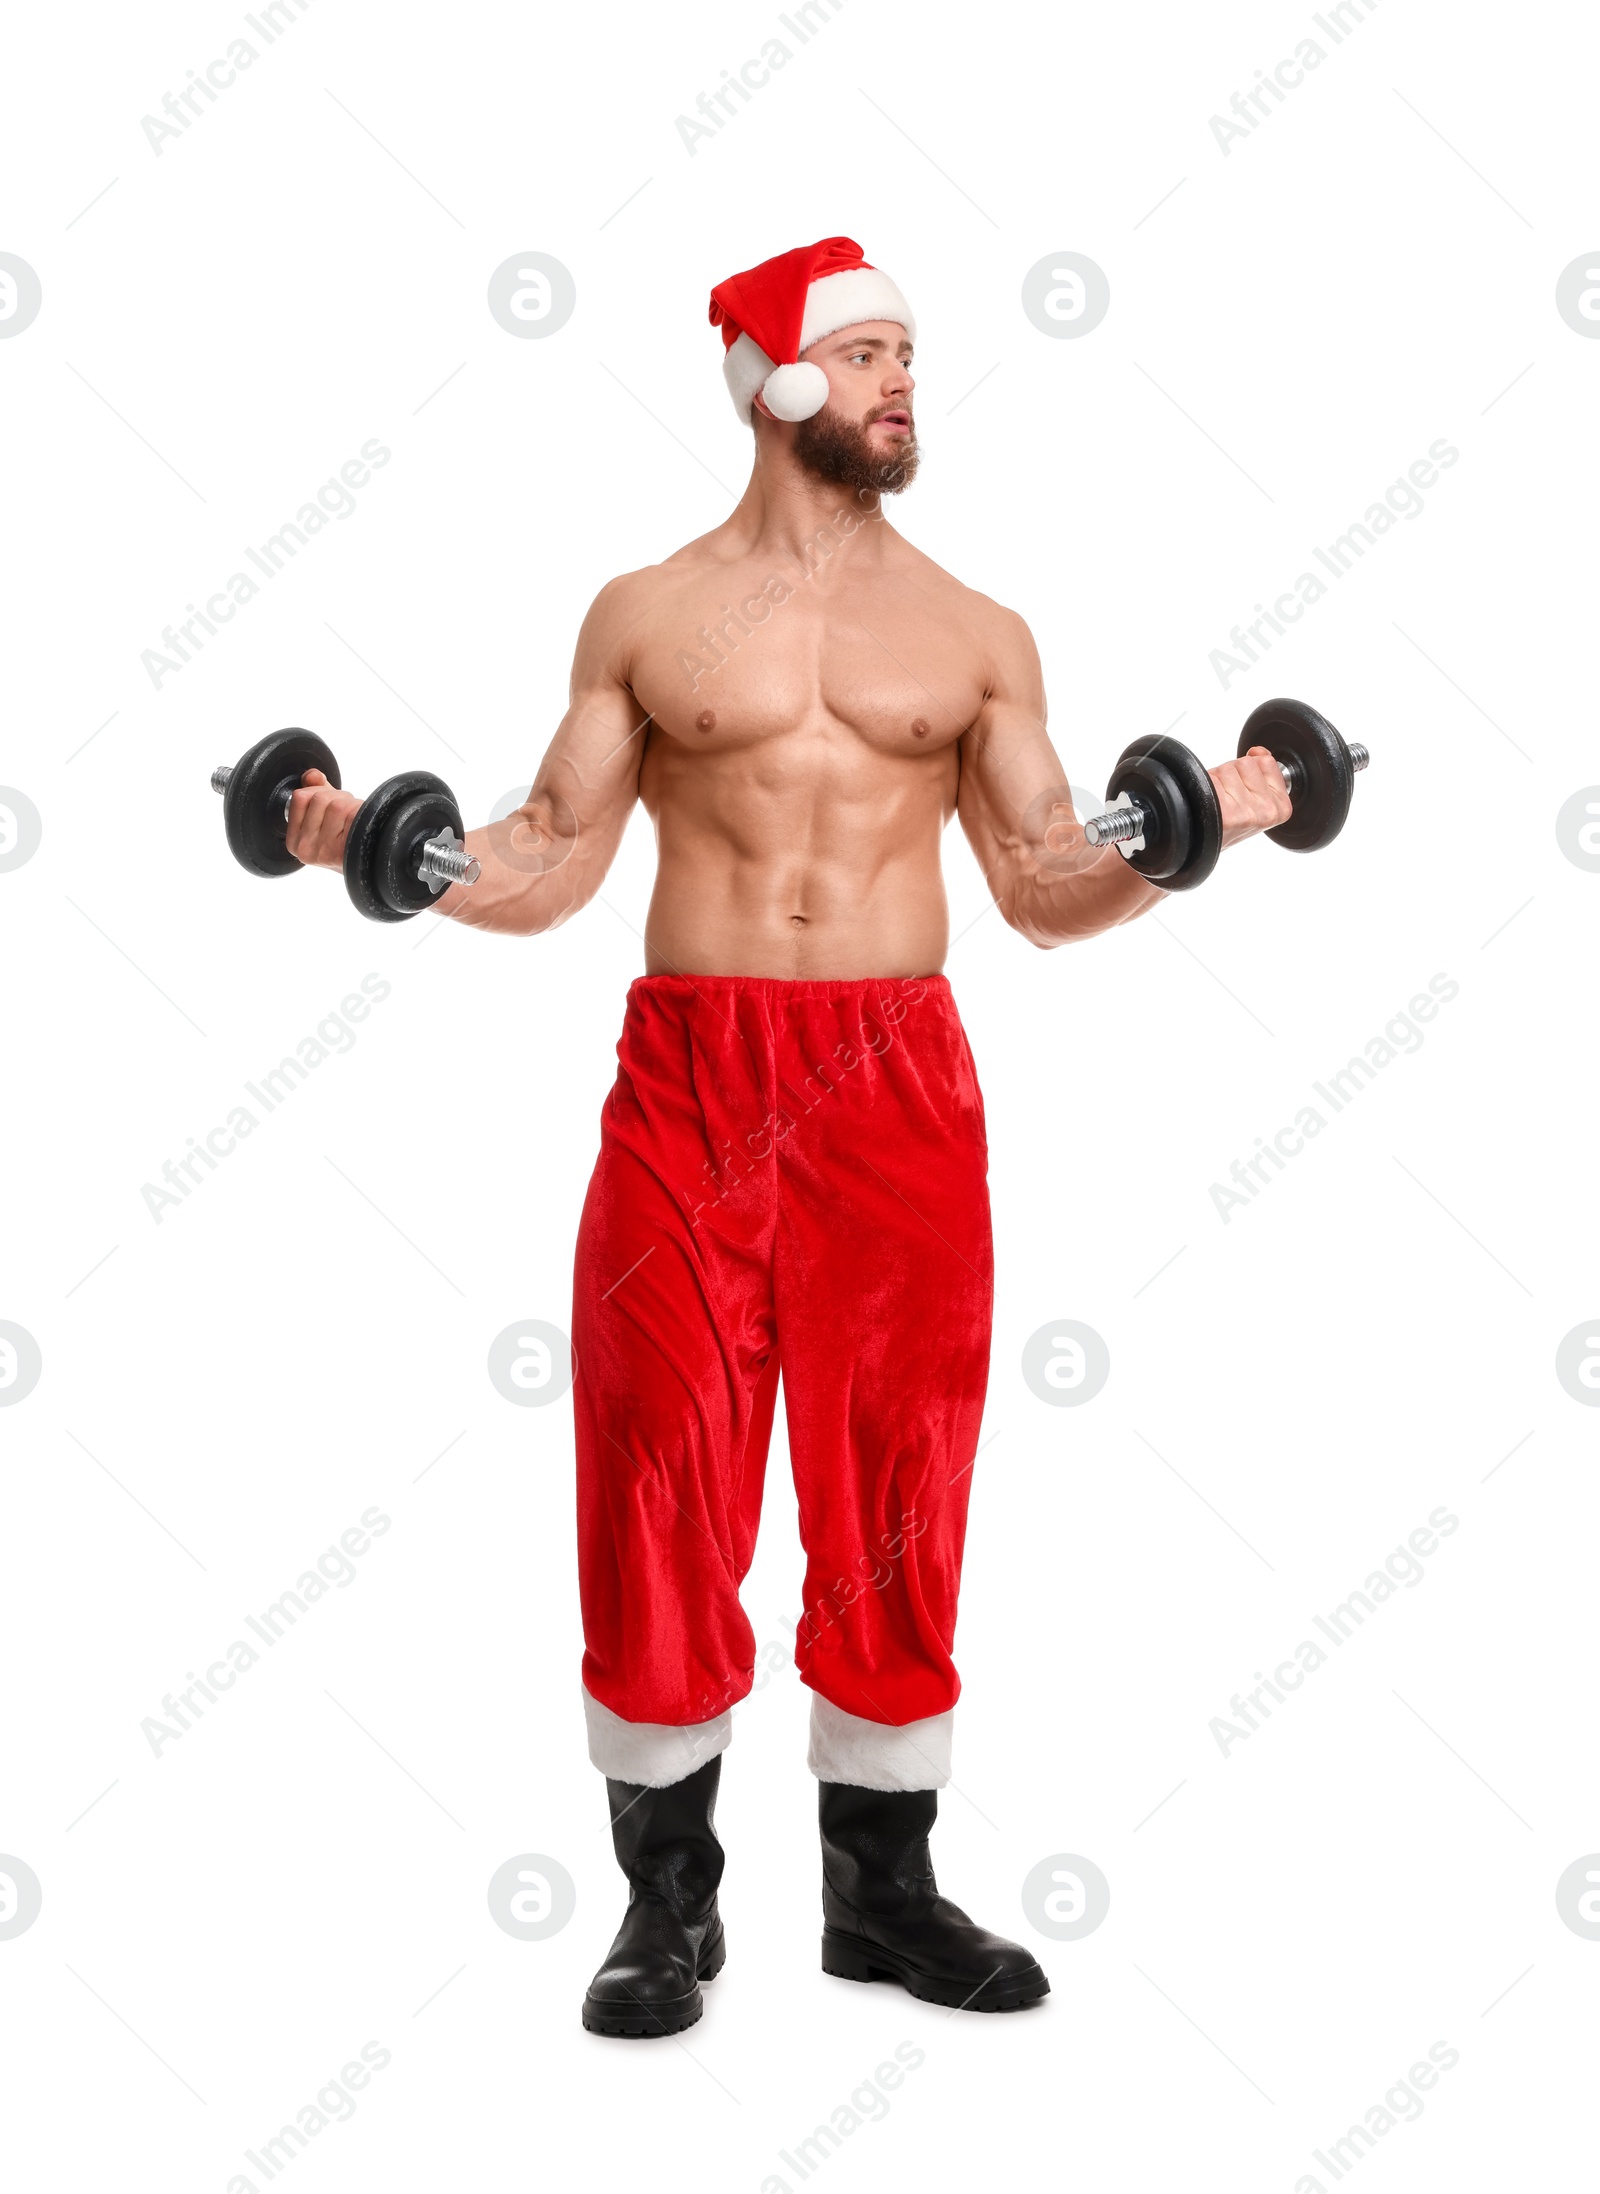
759 403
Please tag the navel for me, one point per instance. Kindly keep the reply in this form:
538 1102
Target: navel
706 720
919 728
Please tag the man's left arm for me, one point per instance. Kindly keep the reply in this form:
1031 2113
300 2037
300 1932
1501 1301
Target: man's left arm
1016 807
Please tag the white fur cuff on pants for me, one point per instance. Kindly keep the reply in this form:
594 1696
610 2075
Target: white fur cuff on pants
652 1753
877 1755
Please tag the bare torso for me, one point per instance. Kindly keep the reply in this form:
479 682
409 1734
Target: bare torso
801 700
800 787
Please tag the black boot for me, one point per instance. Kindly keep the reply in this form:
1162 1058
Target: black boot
884 1918
670 1939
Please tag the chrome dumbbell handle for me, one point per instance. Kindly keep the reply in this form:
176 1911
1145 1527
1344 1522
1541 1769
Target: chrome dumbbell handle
445 860
1129 821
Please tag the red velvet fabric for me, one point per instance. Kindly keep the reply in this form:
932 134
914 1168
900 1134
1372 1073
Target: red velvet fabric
789 1173
768 303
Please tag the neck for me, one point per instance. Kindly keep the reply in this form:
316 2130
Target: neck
784 508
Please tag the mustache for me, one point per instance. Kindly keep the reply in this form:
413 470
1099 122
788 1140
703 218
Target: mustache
842 451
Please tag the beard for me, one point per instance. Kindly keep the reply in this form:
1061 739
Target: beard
840 451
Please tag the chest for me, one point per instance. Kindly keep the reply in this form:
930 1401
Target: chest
767 654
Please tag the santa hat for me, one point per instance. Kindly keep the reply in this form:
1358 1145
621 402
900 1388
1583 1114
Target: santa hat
770 314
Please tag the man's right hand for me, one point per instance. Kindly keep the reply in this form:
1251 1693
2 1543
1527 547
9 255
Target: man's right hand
319 821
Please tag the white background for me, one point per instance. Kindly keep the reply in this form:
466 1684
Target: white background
226 1391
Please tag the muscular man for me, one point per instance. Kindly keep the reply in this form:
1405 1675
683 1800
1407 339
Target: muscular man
792 1167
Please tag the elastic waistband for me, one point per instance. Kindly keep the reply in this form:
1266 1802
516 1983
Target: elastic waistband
777 989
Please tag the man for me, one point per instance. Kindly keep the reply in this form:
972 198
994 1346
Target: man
792 1165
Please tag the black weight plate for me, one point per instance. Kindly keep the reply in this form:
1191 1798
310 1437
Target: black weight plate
369 864
252 804
1293 731
1166 830
1183 826
407 830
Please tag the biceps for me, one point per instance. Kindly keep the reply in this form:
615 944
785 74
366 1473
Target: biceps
592 767
1009 775
994 833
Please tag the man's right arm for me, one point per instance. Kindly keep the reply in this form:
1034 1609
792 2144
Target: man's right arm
548 857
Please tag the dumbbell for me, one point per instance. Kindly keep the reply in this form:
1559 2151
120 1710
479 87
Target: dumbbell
1166 820
405 842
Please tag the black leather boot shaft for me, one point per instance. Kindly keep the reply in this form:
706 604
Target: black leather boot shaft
884 1918
671 1935
875 1847
666 1840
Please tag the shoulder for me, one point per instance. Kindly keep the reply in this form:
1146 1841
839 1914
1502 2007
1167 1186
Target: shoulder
1008 633
619 613
1002 628
634 594
1005 648
1010 653
624 598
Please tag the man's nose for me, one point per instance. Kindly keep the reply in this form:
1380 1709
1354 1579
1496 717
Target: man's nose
898 381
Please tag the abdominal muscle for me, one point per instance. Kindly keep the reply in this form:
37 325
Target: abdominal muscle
772 872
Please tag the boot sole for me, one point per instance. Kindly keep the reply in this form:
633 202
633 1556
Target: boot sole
851 1960
642 2022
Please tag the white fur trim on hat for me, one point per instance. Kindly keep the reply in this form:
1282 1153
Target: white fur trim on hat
745 366
842 300
837 301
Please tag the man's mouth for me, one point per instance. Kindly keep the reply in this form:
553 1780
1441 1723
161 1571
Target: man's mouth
898 422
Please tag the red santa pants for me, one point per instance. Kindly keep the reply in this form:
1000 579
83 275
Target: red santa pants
794 1175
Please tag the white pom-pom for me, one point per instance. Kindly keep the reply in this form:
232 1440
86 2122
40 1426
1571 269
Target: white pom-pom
795 392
